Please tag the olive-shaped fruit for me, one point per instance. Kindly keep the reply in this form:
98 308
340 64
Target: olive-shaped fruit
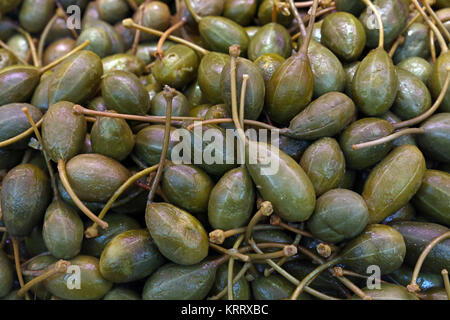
339 215
354 7
241 289
393 182
40 263
149 143
268 63
187 186
195 95
324 163
63 131
62 230
251 31
155 15
6 59
404 139
116 41
121 293
405 213
343 33
178 282
388 291
93 285
130 256
99 43
209 73
425 280
231 201
40 95
180 105
416 43
179 236
58 49
17 83
437 80
112 137
6 274
202 8
34 242
419 67
124 93
9 5
274 287
34 14
435 142
271 38
265 14
112 10
240 11
350 71
25 195
200 111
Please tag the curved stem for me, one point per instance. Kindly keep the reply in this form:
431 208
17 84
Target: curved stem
300 23
47 161
242 102
238 277
92 231
27 36
444 274
159 54
56 62
287 251
413 287
436 19
432 46
63 15
318 14
168 95
349 284
132 4
234 53
441 39
15 243
44 35
59 267
231 267
191 10
379 21
8 48
400 40
430 111
218 236
269 271
266 209
230 120
305 44
137 34
388 138
311 276
74 197
232 253
20 136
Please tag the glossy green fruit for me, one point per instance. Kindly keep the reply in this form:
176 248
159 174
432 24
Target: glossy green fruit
220 33
350 71
19 45
6 59
251 31
364 130
394 15
6 274
405 139
417 236
179 236
17 83
393 182
180 105
241 289
177 282
268 63
156 15
100 43
112 137
200 111
9 5
209 73
126 35
57 49
25 195
354 7
93 285
343 33
416 43
437 80
289 189
130 256
112 11
59 30
7 28
240 11
40 263
375 84
435 142
116 41
195 95
231 201
146 51
317 32
348 180
62 230
433 198
271 38
265 14
339 215
40 95
97 104
76 79
274 287
388 291
254 95
419 67
95 177
187 186
405 213
34 242
63 131
290 89
177 68
413 97
121 293
324 117
124 93
425 280
379 245
324 163
149 143
13 122
34 14
433 294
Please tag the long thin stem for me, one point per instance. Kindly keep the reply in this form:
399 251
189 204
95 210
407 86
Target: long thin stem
413 287
300 23
439 36
436 19
388 138
137 34
430 111
20 136
47 161
354 288
307 18
432 45
92 231
379 21
191 10
44 35
234 53
15 243
242 102
218 236
266 209
287 251
159 54
238 277
59 60
231 268
129 23
59 267
269 271
65 181
230 120
307 39
8 48
231 253
27 36
400 40
168 95
444 274
152 119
